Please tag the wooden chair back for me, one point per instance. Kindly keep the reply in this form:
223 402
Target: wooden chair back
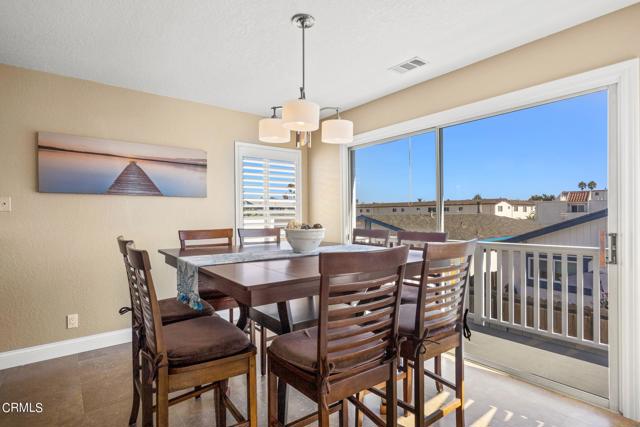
359 303
136 319
417 239
363 236
151 318
442 292
214 234
269 235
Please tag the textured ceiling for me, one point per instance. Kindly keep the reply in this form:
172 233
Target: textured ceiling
245 55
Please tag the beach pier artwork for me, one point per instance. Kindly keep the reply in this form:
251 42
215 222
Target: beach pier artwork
76 164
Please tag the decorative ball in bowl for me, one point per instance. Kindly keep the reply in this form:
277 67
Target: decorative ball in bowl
304 238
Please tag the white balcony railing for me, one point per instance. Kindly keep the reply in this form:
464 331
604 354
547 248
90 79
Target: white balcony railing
573 308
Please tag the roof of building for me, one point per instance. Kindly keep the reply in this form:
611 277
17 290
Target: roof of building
432 203
458 226
558 226
577 196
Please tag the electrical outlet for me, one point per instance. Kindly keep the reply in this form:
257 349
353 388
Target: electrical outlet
72 321
5 204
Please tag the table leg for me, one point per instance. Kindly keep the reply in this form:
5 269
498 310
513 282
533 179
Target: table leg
284 312
244 316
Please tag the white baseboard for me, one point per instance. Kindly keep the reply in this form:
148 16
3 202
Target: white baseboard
38 353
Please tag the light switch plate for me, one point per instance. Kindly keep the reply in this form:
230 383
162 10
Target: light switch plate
5 204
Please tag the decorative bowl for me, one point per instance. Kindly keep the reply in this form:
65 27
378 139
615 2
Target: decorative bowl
303 241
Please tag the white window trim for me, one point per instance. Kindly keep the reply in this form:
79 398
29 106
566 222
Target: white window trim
624 340
258 150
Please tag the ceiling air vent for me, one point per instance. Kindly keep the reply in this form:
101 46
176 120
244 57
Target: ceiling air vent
409 65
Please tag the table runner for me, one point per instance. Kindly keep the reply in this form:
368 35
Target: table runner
188 265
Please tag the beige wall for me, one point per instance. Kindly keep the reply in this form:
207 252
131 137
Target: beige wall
603 41
58 252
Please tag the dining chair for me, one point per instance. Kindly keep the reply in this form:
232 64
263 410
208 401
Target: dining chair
302 313
199 354
259 236
354 346
171 311
371 237
417 240
436 324
206 289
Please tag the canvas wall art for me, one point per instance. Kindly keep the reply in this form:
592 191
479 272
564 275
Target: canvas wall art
77 164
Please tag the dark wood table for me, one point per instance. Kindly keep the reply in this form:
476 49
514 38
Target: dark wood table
257 283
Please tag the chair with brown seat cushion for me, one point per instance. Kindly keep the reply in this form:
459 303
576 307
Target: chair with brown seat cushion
436 324
371 237
203 353
354 345
302 312
171 311
206 289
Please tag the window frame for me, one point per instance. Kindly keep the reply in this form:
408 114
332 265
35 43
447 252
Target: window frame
246 149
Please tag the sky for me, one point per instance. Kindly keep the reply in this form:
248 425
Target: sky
117 148
544 149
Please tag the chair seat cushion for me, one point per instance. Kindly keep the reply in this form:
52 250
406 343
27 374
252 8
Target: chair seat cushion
407 323
202 339
300 348
172 310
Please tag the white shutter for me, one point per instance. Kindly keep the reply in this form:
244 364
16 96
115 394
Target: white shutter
267 186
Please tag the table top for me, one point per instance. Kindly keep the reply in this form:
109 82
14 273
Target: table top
260 282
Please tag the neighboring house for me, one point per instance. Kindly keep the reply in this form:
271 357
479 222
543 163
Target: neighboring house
584 230
518 209
570 204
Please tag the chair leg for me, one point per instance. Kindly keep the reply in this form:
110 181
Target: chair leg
392 395
344 413
231 315
162 398
252 332
460 386
437 369
418 386
221 410
272 399
359 416
252 397
146 396
323 412
135 354
263 350
407 384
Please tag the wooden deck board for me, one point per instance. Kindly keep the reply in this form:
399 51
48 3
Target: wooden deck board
133 180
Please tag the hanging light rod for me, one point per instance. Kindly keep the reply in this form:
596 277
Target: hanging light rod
301 115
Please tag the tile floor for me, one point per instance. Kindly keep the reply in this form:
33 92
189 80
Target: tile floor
94 389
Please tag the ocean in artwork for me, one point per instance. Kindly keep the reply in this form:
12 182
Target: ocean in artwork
74 164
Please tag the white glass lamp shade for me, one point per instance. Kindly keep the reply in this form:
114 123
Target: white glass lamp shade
337 131
301 115
271 130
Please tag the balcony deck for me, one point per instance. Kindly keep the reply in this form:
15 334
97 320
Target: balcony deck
541 360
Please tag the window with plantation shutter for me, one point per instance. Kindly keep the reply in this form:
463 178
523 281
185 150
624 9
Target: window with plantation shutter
267 186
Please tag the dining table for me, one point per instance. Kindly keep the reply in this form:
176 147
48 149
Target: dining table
273 281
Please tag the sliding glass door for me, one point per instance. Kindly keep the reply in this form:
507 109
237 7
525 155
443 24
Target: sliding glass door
532 186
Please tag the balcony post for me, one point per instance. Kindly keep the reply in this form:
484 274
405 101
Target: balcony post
478 285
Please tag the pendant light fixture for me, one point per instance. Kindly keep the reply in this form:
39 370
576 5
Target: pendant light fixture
301 115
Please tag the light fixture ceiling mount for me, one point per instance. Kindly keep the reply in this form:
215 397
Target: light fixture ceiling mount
301 115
